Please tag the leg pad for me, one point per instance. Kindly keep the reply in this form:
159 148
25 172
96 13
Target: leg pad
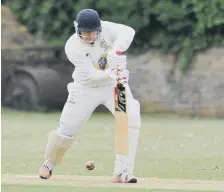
57 146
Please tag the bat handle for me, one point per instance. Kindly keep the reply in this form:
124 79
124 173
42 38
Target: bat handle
118 81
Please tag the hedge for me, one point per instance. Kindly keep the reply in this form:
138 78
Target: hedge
182 27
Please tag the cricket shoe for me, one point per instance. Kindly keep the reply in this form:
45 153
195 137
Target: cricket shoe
45 172
124 178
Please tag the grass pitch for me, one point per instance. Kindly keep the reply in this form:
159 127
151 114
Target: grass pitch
169 147
37 188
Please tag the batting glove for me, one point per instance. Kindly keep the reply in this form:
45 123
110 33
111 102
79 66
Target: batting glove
123 76
116 61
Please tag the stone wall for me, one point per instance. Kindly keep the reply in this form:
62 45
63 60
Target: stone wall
156 82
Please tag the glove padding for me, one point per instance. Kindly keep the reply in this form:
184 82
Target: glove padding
122 76
116 61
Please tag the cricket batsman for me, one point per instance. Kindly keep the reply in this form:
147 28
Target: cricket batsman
95 49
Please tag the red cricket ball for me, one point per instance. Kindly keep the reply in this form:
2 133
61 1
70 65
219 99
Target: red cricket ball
90 165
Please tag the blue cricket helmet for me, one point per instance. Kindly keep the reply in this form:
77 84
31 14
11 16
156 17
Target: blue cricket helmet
88 20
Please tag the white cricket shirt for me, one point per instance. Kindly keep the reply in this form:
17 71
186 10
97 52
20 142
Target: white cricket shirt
114 37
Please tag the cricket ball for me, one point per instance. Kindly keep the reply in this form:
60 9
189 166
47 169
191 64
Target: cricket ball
90 165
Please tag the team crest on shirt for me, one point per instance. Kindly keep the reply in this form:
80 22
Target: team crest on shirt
102 64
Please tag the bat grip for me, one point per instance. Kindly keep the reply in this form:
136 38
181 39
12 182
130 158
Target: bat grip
118 81
118 53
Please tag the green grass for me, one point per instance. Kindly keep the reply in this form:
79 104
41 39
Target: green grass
169 147
37 188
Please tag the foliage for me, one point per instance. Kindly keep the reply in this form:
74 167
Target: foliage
174 26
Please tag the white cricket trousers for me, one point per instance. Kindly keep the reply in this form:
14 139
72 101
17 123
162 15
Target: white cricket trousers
83 100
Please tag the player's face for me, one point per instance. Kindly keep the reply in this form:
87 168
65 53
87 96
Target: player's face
89 37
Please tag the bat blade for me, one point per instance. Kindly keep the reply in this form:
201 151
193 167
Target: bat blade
121 120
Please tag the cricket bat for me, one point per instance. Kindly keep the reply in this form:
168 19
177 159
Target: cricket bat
121 119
